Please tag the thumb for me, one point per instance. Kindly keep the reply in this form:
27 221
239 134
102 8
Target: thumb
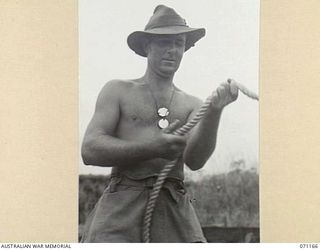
172 127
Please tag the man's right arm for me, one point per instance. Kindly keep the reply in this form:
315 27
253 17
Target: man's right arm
101 147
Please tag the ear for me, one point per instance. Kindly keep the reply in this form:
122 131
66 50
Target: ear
146 45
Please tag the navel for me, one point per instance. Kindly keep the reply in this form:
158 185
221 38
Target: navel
134 118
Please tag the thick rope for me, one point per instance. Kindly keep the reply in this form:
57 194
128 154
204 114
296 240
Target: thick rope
167 168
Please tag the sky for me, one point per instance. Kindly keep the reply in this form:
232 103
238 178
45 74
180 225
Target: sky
230 49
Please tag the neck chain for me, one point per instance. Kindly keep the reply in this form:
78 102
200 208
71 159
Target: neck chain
162 112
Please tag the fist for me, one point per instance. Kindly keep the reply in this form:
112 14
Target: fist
226 93
167 145
173 145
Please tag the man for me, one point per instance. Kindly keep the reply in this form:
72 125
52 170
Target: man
131 132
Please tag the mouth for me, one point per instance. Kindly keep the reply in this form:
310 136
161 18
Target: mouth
168 60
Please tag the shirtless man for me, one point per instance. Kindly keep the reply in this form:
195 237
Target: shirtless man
131 132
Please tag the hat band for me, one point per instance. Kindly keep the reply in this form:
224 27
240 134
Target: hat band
165 21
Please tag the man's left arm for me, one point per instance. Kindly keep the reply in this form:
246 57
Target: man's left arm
202 139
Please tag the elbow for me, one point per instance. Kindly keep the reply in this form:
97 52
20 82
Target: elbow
92 156
194 166
86 160
86 155
196 161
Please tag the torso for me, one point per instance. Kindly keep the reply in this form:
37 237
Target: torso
138 122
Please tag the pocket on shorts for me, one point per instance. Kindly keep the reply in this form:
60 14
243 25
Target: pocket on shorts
119 215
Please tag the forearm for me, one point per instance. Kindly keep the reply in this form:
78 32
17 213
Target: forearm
202 141
105 151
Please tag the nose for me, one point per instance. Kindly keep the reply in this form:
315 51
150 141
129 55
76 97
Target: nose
172 49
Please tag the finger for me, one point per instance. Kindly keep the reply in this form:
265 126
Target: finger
226 86
215 98
234 90
172 127
181 140
222 92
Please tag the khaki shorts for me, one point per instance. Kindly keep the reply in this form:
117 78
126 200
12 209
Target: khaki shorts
118 215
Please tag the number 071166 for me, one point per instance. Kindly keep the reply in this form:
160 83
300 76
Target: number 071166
309 245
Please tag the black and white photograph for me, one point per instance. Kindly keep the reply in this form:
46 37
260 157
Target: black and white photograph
169 121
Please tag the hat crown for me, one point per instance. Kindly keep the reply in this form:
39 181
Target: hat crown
164 16
164 21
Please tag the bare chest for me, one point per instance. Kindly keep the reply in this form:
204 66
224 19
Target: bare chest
140 109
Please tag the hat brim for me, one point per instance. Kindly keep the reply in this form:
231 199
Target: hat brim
137 39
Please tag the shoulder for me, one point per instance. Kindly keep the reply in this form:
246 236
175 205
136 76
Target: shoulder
116 88
113 91
193 102
117 85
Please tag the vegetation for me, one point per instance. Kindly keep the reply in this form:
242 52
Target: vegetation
225 200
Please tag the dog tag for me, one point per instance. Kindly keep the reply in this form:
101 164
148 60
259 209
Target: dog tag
163 112
163 123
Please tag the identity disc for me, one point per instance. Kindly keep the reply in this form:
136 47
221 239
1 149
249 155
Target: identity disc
163 112
163 123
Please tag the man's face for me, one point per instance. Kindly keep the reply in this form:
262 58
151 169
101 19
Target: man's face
165 53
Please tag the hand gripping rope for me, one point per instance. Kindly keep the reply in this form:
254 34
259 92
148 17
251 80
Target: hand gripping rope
167 168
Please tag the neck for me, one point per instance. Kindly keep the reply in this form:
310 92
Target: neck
156 81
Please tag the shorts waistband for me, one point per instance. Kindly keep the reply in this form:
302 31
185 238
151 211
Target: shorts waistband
148 183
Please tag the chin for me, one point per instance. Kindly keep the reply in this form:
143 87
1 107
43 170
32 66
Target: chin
168 71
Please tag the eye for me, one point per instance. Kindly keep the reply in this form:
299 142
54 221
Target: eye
164 41
180 42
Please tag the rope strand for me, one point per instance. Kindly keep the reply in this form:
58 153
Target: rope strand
167 168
